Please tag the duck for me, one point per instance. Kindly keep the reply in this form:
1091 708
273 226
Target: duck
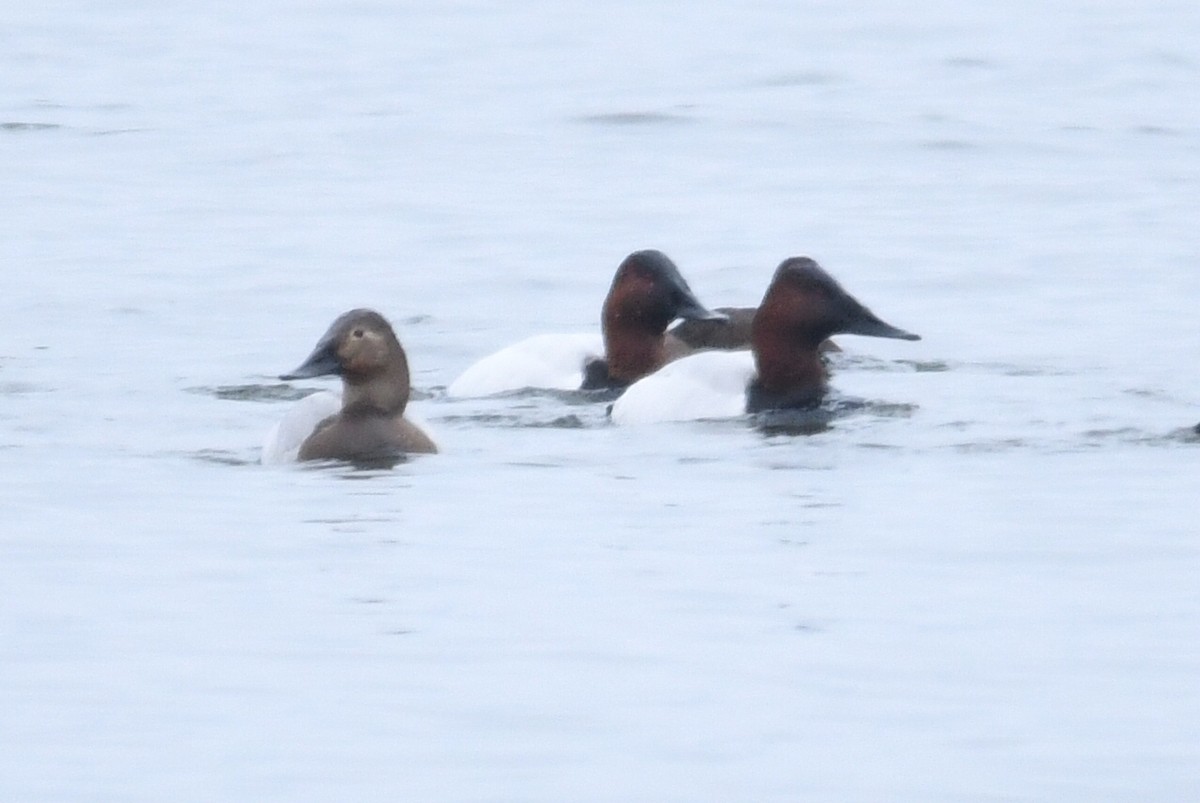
803 306
647 293
367 422
730 334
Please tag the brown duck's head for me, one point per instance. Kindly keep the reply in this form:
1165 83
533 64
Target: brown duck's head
362 348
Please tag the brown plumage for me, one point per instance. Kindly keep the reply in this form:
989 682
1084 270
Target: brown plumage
361 347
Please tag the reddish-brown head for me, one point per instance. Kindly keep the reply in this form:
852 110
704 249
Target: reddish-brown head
804 306
647 293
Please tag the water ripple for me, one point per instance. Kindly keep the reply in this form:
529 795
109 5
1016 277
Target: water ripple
636 119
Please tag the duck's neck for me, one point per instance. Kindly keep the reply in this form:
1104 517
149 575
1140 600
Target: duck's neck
634 339
632 355
385 392
788 359
799 380
634 319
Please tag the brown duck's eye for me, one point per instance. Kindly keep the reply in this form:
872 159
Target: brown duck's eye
357 333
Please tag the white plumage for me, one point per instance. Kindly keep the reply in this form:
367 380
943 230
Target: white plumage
708 384
543 361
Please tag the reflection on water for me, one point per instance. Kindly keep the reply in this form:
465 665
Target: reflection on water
22 388
22 127
793 422
798 79
532 419
280 391
636 119
225 458
822 418
255 392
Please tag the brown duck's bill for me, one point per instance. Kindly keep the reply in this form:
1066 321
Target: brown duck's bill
322 362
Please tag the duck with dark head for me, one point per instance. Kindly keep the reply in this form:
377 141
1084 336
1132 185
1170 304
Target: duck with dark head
647 294
802 308
361 348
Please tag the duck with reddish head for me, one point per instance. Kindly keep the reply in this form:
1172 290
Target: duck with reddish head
367 423
802 308
647 294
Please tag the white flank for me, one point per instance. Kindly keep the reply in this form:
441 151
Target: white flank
709 384
543 361
283 441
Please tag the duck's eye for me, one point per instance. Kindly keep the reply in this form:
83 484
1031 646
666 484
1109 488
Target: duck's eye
357 333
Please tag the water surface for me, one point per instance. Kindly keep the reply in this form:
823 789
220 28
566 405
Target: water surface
980 586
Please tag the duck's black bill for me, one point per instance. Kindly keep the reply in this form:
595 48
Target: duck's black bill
867 324
691 309
322 362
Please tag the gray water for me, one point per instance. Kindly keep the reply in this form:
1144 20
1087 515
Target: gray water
981 587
